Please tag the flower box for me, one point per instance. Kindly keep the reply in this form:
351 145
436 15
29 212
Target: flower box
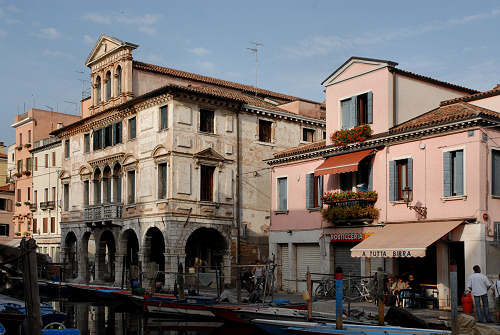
27 173
336 215
20 147
18 204
18 233
18 174
341 196
343 137
27 203
27 145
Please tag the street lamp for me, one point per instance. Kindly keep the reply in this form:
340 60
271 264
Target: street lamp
407 194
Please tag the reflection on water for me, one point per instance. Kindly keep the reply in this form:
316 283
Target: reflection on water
99 319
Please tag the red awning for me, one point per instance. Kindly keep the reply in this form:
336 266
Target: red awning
342 163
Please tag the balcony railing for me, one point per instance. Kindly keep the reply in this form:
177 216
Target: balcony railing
102 212
47 205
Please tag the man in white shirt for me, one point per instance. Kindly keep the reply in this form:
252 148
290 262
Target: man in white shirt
479 285
496 289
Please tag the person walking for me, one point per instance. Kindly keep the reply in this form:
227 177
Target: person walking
479 285
496 289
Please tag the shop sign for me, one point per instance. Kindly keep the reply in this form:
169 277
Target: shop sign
349 236
387 253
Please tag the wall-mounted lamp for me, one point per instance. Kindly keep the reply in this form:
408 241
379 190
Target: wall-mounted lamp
408 198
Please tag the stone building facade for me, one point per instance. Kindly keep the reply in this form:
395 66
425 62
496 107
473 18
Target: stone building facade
46 156
165 165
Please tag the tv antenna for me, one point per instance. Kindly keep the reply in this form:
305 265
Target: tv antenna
255 50
85 93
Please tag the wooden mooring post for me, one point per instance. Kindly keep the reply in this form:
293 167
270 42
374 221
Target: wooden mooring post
31 293
339 297
454 299
309 291
380 296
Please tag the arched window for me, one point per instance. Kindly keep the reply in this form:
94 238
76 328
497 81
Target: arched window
108 85
98 89
118 80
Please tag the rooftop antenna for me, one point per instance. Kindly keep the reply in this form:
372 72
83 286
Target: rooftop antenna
83 81
255 50
73 103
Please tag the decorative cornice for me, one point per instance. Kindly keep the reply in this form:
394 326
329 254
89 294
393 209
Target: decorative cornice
284 116
99 162
385 139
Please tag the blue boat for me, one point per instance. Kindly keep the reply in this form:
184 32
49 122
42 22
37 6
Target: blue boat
281 327
14 309
2 329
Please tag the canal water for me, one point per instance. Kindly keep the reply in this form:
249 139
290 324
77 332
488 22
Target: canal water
93 318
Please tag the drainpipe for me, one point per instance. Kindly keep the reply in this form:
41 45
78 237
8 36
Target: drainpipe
238 203
394 98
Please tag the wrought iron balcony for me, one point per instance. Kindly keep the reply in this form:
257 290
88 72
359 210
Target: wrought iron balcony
102 212
47 205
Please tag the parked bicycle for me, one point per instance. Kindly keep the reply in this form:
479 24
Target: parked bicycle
325 288
362 291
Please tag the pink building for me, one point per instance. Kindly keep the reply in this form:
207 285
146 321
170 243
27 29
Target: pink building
430 172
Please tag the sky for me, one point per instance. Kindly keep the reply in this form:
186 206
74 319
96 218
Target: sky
44 44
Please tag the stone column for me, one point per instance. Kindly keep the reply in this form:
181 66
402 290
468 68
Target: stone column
227 268
443 274
99 264
82 262
119 267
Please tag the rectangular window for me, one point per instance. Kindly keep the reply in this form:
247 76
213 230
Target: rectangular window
66 149
307 135
66 196
35 197
20 139
52 225
28 193
357 110
164 117
453 173
45 224
54 158
97 192
497 231
314 190
107 189
46 195
36 164
108 136
400 176
117 133
35 227
97 139
118 188
46 160
20 166
4 229
131 186
86 142
495 173
28 164
54 194
131 128
265 128
282 194
29 136
324 135
162 181
207 183
207 121
345 181
86 192
18 195
3 204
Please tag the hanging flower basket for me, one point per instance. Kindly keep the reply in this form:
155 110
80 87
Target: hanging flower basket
346 136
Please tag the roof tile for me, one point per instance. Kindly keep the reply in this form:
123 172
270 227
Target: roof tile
472 97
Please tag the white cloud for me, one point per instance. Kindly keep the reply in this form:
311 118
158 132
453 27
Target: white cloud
49 33
148 30
97 18
57 53
144 23
207 66
87 39
323 44
199 51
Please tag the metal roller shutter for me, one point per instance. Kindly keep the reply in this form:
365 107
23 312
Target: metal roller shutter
285 268
376 263
308 255
343 259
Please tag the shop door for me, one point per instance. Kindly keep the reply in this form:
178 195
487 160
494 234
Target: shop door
308 256
349 265
285 268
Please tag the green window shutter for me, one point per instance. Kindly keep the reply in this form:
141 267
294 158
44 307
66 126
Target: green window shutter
369 117
495 172
320 201
370 177
447 174
392 181
310 190
354 112
346 109
458 167
410 173
283 196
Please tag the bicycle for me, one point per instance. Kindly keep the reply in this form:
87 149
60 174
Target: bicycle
325 288
362 292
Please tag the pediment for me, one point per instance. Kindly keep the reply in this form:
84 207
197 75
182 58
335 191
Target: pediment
356 66
85 170
106 45
63 174
209 154
159 151
129 160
